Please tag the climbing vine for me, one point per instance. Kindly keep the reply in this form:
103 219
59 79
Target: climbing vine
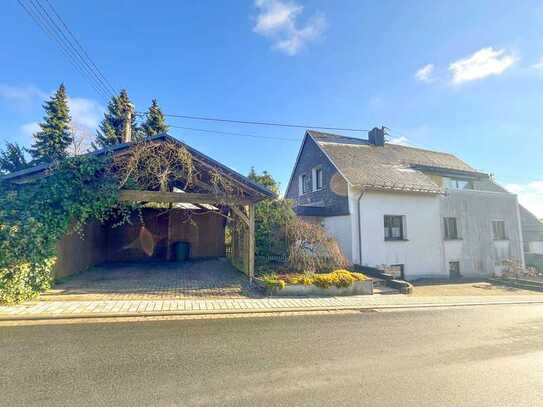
35 215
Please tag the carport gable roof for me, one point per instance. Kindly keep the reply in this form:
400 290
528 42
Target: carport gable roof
40 170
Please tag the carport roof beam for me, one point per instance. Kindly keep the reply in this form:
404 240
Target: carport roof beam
176 197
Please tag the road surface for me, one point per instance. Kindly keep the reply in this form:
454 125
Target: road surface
479 356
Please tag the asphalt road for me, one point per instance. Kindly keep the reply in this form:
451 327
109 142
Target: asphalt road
481 356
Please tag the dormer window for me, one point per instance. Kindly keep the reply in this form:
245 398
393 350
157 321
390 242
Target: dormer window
457 183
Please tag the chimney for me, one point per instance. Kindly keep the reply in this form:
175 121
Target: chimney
127 131
376 136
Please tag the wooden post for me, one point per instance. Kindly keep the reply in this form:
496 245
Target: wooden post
169 238
251 250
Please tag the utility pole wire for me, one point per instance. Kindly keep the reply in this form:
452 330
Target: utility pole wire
47 30
81 60
227 133
257 123
44 21
71 47
102 76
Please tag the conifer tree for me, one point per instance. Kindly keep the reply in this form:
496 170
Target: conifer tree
51 142
111 130
13 158
155 122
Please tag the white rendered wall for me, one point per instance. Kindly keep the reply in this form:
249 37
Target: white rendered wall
422 252
340 228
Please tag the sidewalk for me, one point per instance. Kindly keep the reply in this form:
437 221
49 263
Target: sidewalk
94 309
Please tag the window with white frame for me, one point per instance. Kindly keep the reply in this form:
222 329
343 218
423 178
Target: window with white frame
394 227
304 184
498 230
317 178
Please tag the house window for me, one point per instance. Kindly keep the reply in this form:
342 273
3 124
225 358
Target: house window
394 227
317 178
305 184
451 228
459 184
454 270
498 230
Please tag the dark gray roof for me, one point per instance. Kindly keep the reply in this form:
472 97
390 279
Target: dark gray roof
118 148
389 167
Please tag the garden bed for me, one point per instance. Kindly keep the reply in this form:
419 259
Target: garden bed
337 283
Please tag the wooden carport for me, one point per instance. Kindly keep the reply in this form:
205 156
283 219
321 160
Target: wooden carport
207 183
241 213
155 172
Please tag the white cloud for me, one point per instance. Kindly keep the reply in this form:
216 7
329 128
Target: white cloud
28 129
529 195
85 113
278 20
21 94
481 64
424 74
538 66
401 140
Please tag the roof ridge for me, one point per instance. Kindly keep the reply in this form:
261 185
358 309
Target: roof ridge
390 144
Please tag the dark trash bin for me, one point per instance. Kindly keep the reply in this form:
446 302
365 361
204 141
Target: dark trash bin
181 251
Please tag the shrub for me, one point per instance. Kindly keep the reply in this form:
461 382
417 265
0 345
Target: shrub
339 278
34 216
312 249
273 281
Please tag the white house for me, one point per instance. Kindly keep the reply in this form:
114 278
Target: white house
421 213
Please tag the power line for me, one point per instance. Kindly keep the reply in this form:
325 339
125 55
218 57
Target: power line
37 18
227 133
47 24
102 76
63 37
215 119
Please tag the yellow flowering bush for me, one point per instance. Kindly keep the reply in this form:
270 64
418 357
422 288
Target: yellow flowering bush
339 278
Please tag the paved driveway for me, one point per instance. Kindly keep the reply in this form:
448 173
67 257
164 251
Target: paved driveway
161 280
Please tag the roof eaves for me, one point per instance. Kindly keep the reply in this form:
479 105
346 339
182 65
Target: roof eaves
164 136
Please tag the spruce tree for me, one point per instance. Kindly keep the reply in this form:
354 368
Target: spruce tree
111 130
51 142
13 158
155 122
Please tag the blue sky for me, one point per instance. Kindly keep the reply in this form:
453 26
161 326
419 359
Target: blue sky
462 77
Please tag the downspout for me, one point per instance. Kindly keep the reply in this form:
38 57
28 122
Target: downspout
359 228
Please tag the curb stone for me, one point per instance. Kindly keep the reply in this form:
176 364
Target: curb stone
234 311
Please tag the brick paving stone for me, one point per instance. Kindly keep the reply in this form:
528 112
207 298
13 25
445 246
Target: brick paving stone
146 306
